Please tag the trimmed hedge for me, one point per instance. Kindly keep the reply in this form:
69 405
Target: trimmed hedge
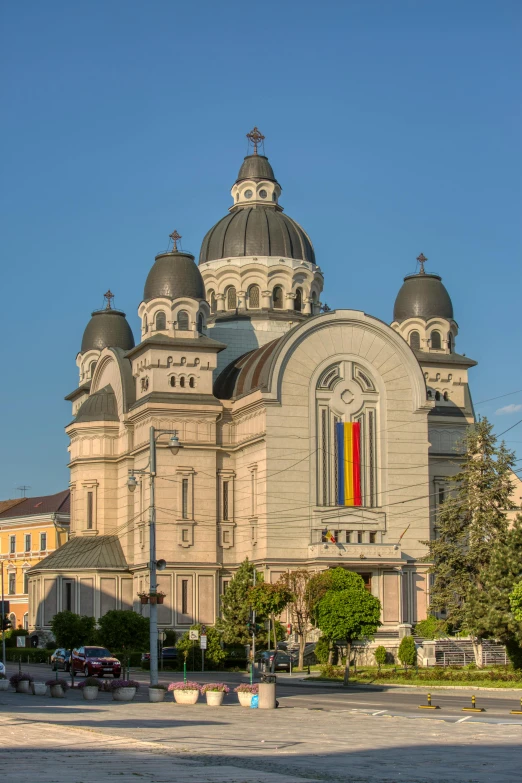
437 673
27 655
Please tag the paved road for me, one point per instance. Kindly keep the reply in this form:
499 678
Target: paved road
385 701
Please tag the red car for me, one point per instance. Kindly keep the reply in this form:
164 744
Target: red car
94 662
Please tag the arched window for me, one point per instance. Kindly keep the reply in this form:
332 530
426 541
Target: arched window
145 323
183 321
277 298
192 383
182 382
314 302
430 394
298 304
415 341
437 396
253 297
450 342
92 368
231 298
172 380
161 321
201 323
436 342
211 299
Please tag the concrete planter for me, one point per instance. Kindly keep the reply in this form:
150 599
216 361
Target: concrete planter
186 697
124 694
245 699
90 692
4 685
39 688
24 686
215 698
57 692
156 694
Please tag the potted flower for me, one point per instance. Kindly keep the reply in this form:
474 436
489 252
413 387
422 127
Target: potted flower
39 688
90 687
57 688
215 693
245 693
124 690
157 692
4 682
21 682
157 597
185 692
144 598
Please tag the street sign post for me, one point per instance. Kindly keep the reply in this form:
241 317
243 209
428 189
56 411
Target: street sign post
203 646
203 642
193 635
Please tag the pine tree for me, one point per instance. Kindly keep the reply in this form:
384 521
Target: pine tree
235 605
470 520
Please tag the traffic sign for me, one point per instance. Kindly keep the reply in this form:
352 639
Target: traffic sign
203 642
20 641
193 635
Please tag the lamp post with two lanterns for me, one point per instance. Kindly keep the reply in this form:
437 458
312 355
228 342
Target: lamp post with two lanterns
154 565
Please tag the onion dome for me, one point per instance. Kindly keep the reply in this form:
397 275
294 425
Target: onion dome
256 167
174 275
100 406
422 296
107 328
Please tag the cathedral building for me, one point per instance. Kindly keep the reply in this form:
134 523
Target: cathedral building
304 437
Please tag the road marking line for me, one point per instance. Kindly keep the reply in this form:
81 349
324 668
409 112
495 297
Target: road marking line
461 720
379 712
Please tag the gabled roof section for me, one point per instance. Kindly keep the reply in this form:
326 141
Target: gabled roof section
46 504
6 504
101 552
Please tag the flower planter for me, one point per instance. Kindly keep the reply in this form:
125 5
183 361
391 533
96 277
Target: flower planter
57 692
123 694
215 698
144 599
186 697
153 599
161 598
4 685
24 686
245 698
156 694
90 692
39 688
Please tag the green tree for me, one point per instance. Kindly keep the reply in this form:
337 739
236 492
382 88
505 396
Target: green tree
515 600
214 654
347 611
380 656
469 520
296 582
235 605
431 628
73 630
407 653
123 629
269 600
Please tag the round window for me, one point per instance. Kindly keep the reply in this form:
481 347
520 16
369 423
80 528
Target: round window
263 193
248 194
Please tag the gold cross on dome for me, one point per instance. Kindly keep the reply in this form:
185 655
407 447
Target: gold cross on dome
255 137
422 260
175 239
108 296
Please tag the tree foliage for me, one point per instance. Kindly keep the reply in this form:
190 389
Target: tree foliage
269 600
407 652
431 628
214 654
123 629
297 583
515 600
469 520
73 630
235 605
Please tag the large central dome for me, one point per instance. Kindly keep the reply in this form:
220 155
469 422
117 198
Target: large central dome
256 225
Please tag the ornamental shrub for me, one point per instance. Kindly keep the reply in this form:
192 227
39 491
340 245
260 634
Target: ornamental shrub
16 678
407 652
322 649
91 682
63 683
184 686
431 628
115 684
380 655
246 688
216 687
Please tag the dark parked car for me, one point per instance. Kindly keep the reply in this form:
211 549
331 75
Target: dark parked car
168 654
61 659
265 660
94 662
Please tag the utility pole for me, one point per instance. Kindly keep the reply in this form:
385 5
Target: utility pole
3 613
253 631
152 565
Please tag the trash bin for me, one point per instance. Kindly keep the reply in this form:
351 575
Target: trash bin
267 692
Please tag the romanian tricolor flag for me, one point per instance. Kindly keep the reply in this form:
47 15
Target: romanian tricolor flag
349 463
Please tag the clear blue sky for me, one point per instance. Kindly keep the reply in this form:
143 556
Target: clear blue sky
393 126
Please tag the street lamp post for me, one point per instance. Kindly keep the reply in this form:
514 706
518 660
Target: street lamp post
153 563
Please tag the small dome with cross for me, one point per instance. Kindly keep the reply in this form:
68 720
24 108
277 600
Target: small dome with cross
108 328
422 296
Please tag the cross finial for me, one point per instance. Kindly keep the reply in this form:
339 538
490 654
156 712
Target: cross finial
255 137
108 296
422 260
175 239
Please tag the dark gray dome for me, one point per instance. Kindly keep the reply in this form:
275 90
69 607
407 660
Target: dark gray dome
422 296
174 275
100 406
256 231
256 167
107 329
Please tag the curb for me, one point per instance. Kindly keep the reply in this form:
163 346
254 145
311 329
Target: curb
390 686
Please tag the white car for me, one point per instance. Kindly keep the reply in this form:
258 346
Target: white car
2 668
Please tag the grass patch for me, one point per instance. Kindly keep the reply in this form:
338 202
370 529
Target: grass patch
493 677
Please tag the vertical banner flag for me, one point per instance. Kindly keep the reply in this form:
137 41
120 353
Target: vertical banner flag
349 463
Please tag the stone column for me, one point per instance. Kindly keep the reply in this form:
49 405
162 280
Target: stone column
266 299
241 300
307 305
220 299
290 298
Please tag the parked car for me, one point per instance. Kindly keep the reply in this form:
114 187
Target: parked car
61 659
168 654
265 660
2 668
94 662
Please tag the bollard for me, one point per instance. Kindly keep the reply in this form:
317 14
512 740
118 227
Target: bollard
473 707
429 705
517 712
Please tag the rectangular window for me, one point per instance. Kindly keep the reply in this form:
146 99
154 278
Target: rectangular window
359 537
89 510
12 584
253 488
348 537
184 596
226 536
26 582
226 582
184 498
43 542
12 545
324 449
185 536
441 495
28 542
373 538
225 500
68 596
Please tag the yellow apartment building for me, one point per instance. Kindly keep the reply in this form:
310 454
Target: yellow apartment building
30 529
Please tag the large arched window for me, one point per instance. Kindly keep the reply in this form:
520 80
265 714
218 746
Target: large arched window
183 321
211 299
253 297
415 341
298 304
161 321
201 323
450 342
231 298
436 342
277 297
